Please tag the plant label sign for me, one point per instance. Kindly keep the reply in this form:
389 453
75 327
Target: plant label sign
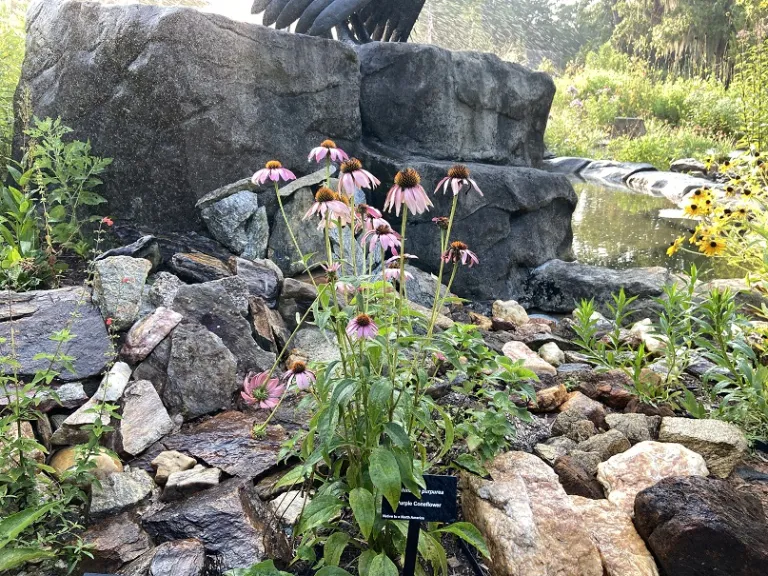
437 502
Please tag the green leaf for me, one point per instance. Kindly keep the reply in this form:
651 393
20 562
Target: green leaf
398 435
265 568
469 533
364 562
332 571
385 474
292 477
14 557
470 463
319 511
332 551
381 565
15 524
364 508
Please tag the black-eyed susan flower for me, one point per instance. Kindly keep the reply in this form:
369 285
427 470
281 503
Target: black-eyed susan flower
712 246
675 246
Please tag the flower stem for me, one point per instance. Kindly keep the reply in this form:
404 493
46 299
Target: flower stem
293 236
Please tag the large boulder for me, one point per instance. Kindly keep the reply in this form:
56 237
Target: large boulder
38 314
522 221
528 521
185 101
703 527
480 109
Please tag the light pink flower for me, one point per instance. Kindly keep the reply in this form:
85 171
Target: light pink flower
362 327
458 179
353 176
407 190
273 171
365 217
298 373
459 252
381 233
326 148
260 390
327 201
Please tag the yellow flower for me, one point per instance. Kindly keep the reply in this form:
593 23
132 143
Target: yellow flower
741 212
693 209
675 246
712 246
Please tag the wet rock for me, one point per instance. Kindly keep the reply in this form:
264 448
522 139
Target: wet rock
148 333
179 558
684 165
549 399
559 286
199 267
565 164
119 492
574 425
113 543
104 462
222 307
238 222
636 427
622 550
48 312
551 353
144 419
202 372
625 475
519 351
672 186
553 448
721 444
576 479
185 482
110 390
168 462
588 408
699 526
163 289
263 279
229 520
606 444
510 311
608 172
145 247
117 288
528 521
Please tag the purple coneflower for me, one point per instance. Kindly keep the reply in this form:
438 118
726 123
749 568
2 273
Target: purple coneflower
260 390
353 176
458 179
274 171
300 374
366 214
328 148
407 190
362 326
459 252
442 222
327 201
392 269
381 233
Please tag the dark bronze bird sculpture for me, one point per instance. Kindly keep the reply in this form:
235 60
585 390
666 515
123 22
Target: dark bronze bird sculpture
358 21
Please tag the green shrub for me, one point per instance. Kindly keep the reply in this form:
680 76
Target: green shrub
11 56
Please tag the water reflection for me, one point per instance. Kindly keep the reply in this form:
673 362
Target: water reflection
621 229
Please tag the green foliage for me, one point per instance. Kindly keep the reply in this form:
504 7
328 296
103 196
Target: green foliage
751 83
11 56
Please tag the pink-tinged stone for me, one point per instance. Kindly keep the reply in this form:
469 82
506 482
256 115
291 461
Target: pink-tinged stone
625 475
519 351
622 550
148 333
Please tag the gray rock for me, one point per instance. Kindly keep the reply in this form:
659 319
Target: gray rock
50 311
611 173
144 419
497 110
636 427
263 278
522 221
318 345
672 186
685 165
179 558
565 165
553 448
296 298
529 434
551 353
606 444
239 223
423 287
240 94
168 462
114 542
310 240
118 285
588 460
202 372
155 366
574 425
119 492
199 267
222 307
229 519
559 286
289 506
163 289
147 333
183 483
145 247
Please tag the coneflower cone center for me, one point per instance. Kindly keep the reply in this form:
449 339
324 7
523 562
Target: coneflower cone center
408 178
363 320
328 144
298 367
383 229
351 165
459 172
458 246
325 195
273 165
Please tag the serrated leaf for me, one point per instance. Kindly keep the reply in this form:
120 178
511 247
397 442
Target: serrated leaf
385 474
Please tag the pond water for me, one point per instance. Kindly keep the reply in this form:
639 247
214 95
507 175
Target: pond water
619 228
